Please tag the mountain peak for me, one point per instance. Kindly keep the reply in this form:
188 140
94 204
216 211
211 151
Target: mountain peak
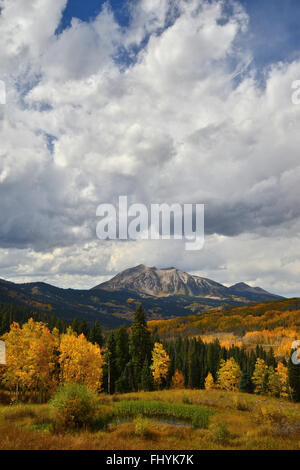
241 285
162 282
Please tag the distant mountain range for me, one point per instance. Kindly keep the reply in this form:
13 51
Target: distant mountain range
165 293
171 281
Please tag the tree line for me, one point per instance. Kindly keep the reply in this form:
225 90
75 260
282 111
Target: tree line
191 363
40 357
19 314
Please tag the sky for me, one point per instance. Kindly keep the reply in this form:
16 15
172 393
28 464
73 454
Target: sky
164 101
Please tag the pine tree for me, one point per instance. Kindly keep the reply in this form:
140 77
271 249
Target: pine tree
270 359
213 357
140 344
171 370
110 371
122 349
95 334
193 366
126 383
147 383
245 384
75 325
4 326
60 325
294 380
83 329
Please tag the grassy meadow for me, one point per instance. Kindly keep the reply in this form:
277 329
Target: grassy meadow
169 419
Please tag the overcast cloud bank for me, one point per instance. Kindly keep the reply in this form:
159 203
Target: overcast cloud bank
169 109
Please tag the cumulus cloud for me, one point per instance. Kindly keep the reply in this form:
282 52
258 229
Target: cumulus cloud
164 110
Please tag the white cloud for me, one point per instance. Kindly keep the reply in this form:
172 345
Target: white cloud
172 125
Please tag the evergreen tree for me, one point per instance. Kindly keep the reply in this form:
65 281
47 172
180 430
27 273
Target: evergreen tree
126 383
194 372
245 384
122 349
75 325
213 357
147 383
83 329
294 380
171 371
4 326
95 334
140 344
109 371
270 359
60 325
178 353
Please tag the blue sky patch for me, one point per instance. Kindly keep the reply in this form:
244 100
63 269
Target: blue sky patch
274 33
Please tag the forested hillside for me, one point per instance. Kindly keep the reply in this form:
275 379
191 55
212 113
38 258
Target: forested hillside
237 320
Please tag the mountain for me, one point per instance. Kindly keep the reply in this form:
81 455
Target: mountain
164 282
165 293
255 294
171 281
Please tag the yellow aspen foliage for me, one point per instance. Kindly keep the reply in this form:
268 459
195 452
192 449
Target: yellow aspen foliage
260 376
282 373
80 361
178 380
160 364
31 357
229 374
273 383
209 382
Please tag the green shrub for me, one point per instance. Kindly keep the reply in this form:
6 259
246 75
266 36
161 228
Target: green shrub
74 406
141 426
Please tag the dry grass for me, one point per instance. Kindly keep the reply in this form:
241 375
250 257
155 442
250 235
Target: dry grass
240 421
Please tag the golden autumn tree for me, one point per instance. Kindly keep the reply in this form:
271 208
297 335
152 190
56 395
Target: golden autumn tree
178 380
282 373
209 382
273 384
31 358
80 361
160 364
229 374
260 376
